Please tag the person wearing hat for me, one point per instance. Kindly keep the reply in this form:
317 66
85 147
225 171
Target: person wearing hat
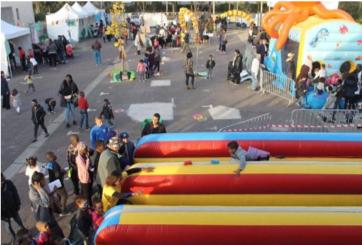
129 147
38 115
291 66
108 161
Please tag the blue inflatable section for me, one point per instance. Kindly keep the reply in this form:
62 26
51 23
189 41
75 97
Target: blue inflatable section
250 136
111 217
316 101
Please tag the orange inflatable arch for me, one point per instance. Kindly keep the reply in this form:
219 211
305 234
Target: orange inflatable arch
187 12
239 13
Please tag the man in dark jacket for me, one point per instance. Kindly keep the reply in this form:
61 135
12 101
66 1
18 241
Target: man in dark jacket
262 49
350 87
68 92
154 127
5 91
129 147
238 67
10 205
37 116
60 51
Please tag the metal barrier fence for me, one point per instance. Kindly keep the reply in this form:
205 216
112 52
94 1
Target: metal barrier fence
325 120
278 85
259 123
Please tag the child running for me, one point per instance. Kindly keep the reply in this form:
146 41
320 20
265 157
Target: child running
15 100
30 81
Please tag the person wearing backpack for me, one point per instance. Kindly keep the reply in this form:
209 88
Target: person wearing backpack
210 64
10 206
38 115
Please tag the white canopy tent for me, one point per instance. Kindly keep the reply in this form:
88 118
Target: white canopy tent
90 15
19 37
67 22
84 22
99 14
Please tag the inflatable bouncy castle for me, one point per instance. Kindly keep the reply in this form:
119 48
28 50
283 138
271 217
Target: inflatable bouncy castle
311 32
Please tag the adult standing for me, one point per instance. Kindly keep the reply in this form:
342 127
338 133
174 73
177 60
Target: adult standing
238 67
72 154
224 41
5 91
186 43
262 49
122 51
96 47
10 205
60 47
52 51
100 147
154 127
42 204
349 88
84 164
137 42
189 71
22 57
255 68
68 96
12 56
290 66
108 161
38 117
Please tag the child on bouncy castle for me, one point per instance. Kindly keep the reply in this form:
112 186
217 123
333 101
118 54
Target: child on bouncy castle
238 154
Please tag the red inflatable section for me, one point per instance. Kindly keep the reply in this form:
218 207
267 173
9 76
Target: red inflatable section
218 148
227 234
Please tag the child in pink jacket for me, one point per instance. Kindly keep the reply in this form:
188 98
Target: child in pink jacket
84 163
141 69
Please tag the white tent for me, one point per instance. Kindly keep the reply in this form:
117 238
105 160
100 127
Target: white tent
84 22
65 22
98 13
19 36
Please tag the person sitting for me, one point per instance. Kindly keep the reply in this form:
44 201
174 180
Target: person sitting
154 127
238 154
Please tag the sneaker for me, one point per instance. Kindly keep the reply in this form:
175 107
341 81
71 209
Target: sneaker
187 87
74 122
193 87
64 214
87 129
34 140
68 126
46 135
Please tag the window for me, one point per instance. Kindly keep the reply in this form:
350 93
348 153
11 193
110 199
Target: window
17 14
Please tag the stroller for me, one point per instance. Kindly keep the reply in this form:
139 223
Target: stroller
69 50
244 75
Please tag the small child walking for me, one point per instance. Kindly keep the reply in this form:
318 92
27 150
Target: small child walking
15 100
210 64
83 110
141 69
84 220
30 81
107 113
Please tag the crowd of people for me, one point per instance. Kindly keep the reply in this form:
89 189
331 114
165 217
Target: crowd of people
98 168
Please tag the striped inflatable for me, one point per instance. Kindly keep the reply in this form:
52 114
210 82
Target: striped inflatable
205 146
157 225
260 184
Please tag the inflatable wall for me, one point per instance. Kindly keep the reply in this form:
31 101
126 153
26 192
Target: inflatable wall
206 146
157 225
260 184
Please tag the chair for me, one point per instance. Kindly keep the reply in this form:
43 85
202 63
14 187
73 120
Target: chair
147 120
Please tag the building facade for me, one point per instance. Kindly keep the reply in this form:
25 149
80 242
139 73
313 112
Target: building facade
17 13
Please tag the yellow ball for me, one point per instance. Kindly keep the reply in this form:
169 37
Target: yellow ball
116 45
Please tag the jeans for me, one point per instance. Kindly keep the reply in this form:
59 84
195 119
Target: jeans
192 79
301 100
36 126
49 108
69 108
84 115
8 227
97 57
254 81
61 57
109 123
209 73
157 65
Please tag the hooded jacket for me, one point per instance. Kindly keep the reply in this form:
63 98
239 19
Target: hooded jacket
40 203
10 200
37 114
350 87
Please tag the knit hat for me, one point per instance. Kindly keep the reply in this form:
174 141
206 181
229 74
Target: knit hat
124 135
81 146
113 142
